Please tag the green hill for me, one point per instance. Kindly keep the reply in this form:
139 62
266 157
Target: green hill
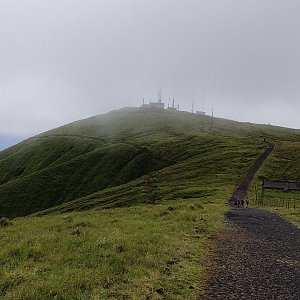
154 150
126 205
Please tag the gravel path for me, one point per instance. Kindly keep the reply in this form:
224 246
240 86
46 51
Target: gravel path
257 256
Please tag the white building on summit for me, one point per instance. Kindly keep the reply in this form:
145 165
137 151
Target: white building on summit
154 105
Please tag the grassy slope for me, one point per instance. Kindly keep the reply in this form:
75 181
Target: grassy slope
133 247
98 153
63 181
282 165
123 253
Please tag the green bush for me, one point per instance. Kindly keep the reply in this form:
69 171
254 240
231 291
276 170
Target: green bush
4 222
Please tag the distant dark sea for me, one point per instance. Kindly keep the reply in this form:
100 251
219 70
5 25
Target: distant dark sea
7 141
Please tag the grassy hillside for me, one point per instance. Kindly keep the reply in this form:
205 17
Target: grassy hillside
282 165
141 252
164 180
54 173
102 153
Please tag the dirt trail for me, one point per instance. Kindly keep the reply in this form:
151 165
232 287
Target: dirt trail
258 257
244 185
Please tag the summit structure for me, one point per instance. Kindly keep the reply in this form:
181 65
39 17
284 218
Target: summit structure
155 105
173 105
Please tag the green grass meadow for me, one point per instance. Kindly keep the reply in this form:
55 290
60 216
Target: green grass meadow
121 253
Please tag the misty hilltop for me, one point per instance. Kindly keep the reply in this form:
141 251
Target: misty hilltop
115 159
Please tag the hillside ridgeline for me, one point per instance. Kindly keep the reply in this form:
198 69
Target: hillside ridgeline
130 156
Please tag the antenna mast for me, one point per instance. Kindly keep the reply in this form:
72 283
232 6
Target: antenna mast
193 104
159 96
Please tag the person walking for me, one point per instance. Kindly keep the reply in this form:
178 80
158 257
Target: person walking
247 201
238 202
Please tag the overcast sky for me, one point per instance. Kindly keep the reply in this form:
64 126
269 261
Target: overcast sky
63 60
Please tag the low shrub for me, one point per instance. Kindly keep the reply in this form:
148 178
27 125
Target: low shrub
4 222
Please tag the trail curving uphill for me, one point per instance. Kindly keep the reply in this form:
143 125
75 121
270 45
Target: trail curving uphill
244 185
258 256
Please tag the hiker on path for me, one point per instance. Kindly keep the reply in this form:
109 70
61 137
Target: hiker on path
247 201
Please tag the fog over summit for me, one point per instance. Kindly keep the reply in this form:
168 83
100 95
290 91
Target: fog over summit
69 59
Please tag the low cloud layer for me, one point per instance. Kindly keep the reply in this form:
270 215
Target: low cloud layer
62 60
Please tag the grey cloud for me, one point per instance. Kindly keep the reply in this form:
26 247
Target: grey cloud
62 60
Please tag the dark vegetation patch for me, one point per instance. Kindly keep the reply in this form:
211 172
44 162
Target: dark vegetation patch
4 222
